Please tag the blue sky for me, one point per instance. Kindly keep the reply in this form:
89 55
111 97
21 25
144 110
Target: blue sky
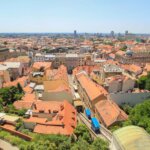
70 15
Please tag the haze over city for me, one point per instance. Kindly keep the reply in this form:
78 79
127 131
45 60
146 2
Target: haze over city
74 75
98 16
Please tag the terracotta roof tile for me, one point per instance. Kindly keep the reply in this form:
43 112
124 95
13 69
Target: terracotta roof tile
22 81
110 112
92 89
63 122
38 65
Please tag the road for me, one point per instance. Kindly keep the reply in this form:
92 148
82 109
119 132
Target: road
7 146
70 78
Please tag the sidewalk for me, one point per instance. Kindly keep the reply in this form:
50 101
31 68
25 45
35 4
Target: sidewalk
7 146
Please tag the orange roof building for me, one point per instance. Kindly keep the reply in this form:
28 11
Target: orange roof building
22 59
38 65
23 81
26 102
52 118
56 86
109 112
132 69
90 91
87 69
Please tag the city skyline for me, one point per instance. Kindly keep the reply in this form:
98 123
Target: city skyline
65 16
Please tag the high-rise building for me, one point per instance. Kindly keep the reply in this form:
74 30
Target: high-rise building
126 32
112 33
75 33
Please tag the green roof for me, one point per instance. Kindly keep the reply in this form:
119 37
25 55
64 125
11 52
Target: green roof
132 138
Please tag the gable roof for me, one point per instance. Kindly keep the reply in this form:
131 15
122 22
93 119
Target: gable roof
63 122
56 85
92 89
110 112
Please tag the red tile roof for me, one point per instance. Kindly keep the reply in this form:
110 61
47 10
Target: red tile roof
92 89
87 69
38 65
133 68
22 104
28 89
21 80
110 112
26 102
63 122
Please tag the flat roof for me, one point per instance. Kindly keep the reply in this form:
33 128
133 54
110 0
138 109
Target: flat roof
12 64
112 68
39 87
3 67
8 117
71 55
50 56
78 103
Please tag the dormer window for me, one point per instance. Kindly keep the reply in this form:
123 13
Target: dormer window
41 111
55 111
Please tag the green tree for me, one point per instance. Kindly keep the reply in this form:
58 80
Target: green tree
99 144
144 82
140 115
81 144
21 112
1 104
8 95
80 130
19 124
147 86
20 89
127 108
87 137
66 145
4 94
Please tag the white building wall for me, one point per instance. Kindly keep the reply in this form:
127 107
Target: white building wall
114 86
128 85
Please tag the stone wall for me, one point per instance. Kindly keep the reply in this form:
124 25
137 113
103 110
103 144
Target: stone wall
129 98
